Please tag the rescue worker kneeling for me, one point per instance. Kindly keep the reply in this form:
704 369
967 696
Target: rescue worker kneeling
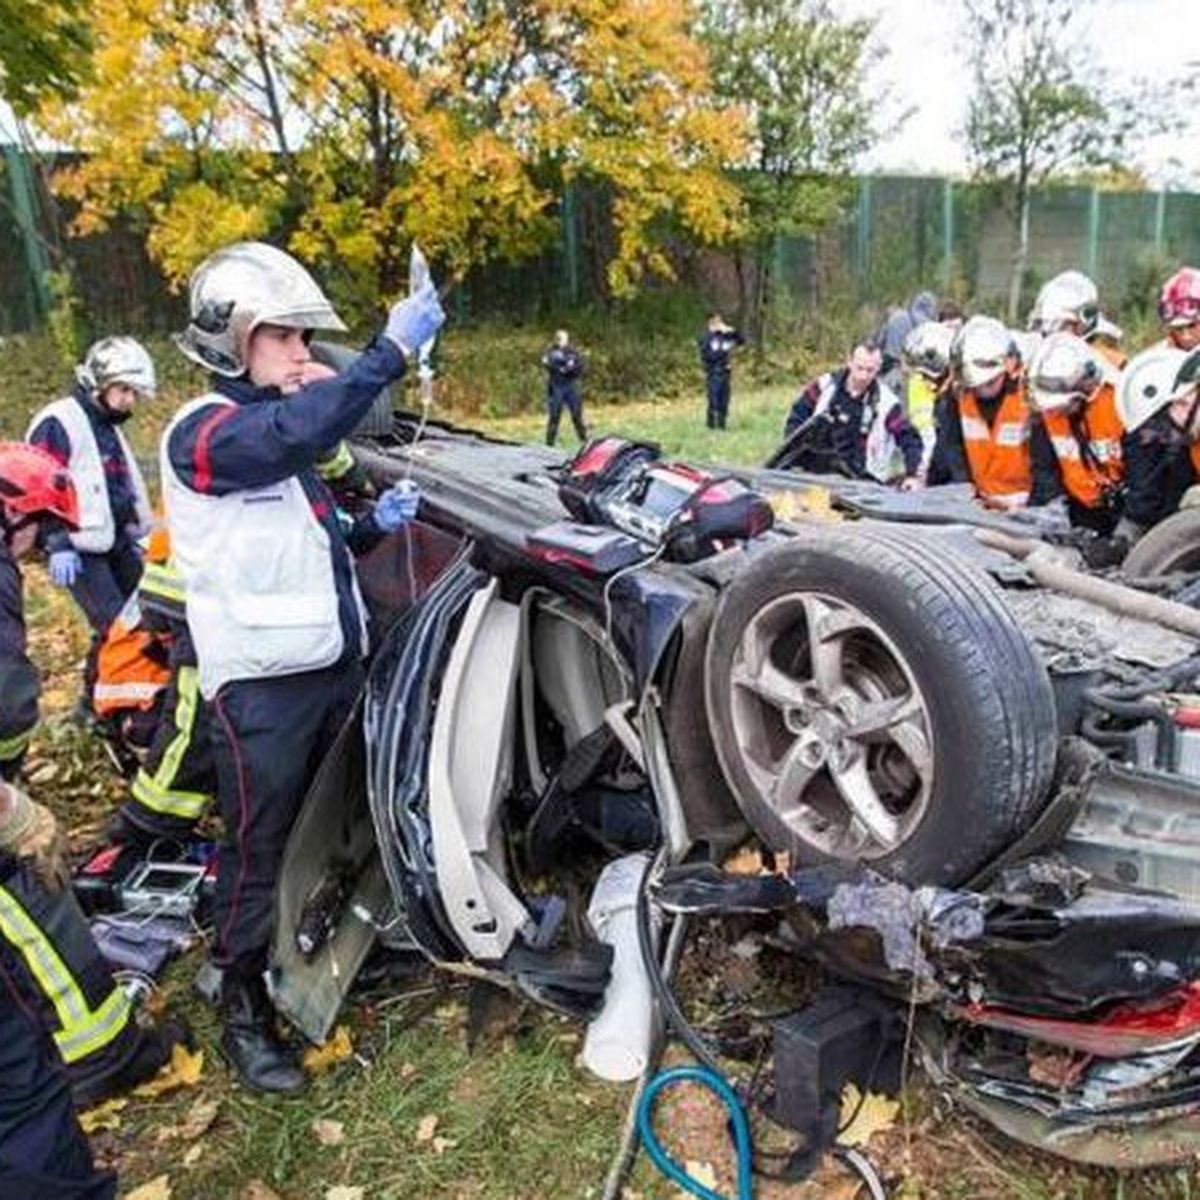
272 602
1159 401
1072 391
983 428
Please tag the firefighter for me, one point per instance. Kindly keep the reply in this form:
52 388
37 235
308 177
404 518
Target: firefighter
1072 390
862 424
272 603
1179 309
1158 397
716 344
983 429
55 962
925 357
100 562
1070 303
564 368
43 1152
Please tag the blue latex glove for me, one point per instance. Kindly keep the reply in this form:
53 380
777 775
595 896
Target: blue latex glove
415 320
397 506
65 566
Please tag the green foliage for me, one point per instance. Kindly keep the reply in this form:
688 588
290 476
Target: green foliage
44 47
804 75
63 321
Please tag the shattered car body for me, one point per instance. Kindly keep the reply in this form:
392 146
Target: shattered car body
1016 768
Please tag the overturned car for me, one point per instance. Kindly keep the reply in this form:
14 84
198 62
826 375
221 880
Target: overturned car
977 766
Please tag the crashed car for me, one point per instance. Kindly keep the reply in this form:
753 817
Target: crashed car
999 752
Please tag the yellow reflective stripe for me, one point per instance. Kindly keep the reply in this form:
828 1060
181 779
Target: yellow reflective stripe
82 1030
155 791
165 581
10 747
103 1025
337 464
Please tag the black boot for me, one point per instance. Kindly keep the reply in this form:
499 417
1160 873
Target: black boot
250 1041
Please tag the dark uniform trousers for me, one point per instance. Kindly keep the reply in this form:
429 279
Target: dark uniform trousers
717 383
269 737
560 393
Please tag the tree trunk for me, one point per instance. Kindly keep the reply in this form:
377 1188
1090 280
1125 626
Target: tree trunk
1021 255
762 284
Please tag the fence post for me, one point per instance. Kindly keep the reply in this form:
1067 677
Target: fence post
863 232
947 231
37 261
1160 220
570 240
1093 232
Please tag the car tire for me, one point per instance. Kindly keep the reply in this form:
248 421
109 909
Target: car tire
1172 545
379 419
916 733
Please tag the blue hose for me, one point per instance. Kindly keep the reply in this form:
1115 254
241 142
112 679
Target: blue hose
741 1131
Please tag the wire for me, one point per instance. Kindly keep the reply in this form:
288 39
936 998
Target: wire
719 1085
612 579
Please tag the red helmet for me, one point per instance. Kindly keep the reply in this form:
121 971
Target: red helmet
1179 303
35 482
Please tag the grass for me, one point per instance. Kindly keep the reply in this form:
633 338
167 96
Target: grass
517 1118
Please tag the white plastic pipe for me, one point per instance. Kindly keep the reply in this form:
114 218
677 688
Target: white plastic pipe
619 1039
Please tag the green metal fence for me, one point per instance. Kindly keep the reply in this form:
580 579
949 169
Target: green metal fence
897 234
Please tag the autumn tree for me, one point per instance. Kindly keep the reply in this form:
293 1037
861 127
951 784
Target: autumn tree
1040 108
355 126
44 47
805 77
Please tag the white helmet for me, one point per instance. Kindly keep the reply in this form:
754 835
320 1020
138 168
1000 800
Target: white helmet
1069 298
926 349
117 360
1148 384
1063 369
241 287
1025 342
983 350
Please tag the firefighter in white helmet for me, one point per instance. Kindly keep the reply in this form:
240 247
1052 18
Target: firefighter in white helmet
1159 401
99 561
1070 303
271 599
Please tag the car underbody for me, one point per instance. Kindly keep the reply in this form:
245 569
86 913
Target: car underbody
983 792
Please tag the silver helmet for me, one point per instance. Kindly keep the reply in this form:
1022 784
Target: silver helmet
983 350
926 349
241 287
117 360
1070 298
1064 368
1148 384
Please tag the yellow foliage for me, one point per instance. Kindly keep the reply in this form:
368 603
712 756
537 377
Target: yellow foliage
374 122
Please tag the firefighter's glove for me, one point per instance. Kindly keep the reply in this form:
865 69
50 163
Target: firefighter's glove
415 320
65 566
397 506
28 830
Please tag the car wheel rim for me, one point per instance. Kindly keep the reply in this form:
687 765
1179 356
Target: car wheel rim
831 726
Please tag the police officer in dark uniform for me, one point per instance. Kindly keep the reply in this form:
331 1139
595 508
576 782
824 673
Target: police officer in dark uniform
564 368
716 344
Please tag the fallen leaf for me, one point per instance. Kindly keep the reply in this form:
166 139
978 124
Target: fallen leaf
441 1145
184 1070
337 1049
341 1192
867 1115
426 1127
328 1133
702 1172
257 1190
103 1116
158 1188
192 1157
408 1070
199 1120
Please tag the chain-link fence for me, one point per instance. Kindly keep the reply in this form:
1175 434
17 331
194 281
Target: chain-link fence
897 234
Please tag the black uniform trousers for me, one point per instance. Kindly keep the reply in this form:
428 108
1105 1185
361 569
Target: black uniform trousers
43 1152
560 393
269 737
717 385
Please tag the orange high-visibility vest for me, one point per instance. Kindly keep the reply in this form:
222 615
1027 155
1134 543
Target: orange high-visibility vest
998 455
1088 474
131 669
